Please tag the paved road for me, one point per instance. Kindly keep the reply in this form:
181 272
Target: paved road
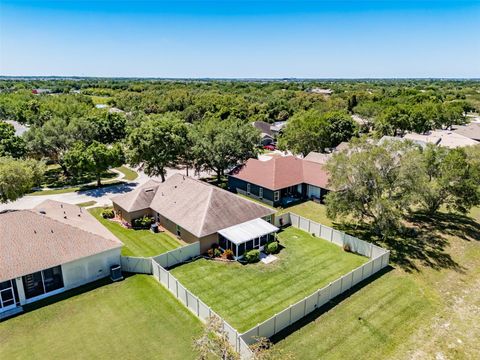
102 195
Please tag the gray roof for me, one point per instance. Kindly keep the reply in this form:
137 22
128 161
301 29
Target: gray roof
138 199
471 130
317 157
200 208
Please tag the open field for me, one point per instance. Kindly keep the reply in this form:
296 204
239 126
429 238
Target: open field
138 242
431 311
248 294
133 319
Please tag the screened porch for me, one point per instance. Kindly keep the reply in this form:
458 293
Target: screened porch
253 234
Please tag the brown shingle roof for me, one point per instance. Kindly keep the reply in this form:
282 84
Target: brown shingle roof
200 208
281 172
138 199
31 241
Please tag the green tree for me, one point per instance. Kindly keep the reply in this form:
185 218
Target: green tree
450 178
373 183
102 157
157 143
17 177
10 144
213 342
313 130
222 144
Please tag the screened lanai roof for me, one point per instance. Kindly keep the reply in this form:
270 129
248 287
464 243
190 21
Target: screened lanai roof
241 233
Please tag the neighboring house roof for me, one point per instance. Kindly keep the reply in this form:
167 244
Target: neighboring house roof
472 130
281 172
444 138
263 126
420 139
317 157
344 145
138 199
200 208
278 126
359 120
32 241
321 91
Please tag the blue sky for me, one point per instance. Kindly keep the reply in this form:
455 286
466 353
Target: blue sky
268 39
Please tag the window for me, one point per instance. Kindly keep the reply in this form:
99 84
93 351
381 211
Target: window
260 193
8 293
248 189
263 240
223 242
43 282
178 229
276 196
241 249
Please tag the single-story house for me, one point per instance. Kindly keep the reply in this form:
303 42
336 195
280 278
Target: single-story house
266 133
49 249
317 157
196 211
445 138
471 130
281 180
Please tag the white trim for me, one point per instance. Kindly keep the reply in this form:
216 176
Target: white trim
43 296
276 195
248 188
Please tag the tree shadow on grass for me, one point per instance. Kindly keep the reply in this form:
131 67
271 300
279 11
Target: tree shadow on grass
422 244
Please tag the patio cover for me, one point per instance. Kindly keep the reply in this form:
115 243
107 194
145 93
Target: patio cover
241 233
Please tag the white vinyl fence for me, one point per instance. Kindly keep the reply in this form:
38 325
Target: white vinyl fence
179 255
139 265
198 307
378 256
378 260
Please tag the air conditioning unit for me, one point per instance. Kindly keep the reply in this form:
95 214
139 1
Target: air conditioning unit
116 273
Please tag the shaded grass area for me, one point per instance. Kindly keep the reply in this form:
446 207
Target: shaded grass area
138 242
128 173
132 319
423 308
54 177
249 294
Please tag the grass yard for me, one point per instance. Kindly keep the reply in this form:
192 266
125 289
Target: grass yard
430 312
136 318
249 294
138 242
129 174
310 210
86 203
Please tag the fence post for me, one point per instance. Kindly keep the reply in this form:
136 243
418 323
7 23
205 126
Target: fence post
176 286
331 235
198 306
371 250
309 225
290 320
275 324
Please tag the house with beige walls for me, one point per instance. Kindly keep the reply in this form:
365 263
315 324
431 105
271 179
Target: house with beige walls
49 249
196 211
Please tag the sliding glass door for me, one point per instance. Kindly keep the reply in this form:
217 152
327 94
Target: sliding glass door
8 294
42 282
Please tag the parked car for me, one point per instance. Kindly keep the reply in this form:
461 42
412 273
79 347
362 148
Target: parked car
270 147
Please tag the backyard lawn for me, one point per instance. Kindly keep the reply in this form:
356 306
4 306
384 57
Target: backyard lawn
138 242
136 318
431 312
249 294
310 210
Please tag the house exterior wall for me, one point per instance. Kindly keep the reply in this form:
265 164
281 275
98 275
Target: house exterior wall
91 268
77 273
129 216
240 186
205 242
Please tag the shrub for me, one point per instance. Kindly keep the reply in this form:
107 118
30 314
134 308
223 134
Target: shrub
228 254
108 214
252 256
347 248
217 252
142 223
210 253
272 247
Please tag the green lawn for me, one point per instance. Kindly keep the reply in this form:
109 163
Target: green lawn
310 210
130 175
138 242
136 318
86 203
249 294
429 313
75 188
